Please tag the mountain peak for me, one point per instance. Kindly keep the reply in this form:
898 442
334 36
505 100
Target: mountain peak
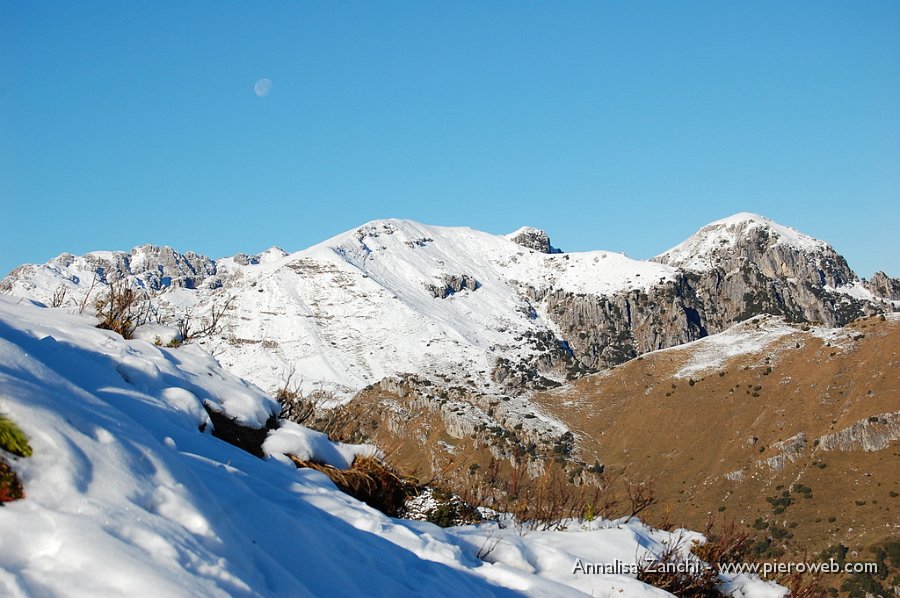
272 254
745 221
740 218
732 237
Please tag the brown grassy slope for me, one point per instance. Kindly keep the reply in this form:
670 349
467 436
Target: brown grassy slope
689 437
413 435
441 440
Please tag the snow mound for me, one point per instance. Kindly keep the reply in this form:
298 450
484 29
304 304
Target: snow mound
309 445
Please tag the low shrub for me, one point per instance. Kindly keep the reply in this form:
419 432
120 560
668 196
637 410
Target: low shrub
122 309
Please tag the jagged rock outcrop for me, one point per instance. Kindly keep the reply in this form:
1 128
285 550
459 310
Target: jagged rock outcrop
152 267
605 331
161 267
883 286
789 451
745 265
533 238
776 251
553 359
451 284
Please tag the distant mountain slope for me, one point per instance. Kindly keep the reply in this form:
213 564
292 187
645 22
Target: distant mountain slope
729 423
500 314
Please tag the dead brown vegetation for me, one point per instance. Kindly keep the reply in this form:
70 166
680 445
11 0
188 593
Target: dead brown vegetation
191 328
59 296
295 406
549 501
680 574
718 445
729 545
123 308
369 480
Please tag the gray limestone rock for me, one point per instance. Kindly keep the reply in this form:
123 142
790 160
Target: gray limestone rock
452 284
884 286
532 238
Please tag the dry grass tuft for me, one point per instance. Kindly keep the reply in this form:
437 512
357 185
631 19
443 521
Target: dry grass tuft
681 576
368 480
546 502
123 308
730 545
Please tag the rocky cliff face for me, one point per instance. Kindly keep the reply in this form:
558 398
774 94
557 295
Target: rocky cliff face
604 331
884 286
149 266
873 433
728 272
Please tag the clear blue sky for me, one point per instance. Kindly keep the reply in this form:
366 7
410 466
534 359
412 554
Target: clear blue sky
614 125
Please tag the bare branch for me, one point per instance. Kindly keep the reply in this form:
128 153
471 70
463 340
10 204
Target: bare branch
59 296
84 300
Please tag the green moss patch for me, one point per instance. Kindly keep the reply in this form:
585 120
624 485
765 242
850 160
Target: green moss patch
12 439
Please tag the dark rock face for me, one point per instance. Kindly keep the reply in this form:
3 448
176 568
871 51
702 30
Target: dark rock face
452 284
604 331
538 240
884 286
554 359
239 435
759 248
245 259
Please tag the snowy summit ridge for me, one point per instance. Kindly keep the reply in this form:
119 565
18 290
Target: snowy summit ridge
498 313
701 251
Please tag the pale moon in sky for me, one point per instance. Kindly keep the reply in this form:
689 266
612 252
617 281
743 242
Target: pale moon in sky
263 87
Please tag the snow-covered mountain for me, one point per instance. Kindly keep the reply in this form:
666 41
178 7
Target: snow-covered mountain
725 238
128 494
389 297
436 334
498 314
777 251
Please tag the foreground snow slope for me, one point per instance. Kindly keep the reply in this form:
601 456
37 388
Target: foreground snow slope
126 496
